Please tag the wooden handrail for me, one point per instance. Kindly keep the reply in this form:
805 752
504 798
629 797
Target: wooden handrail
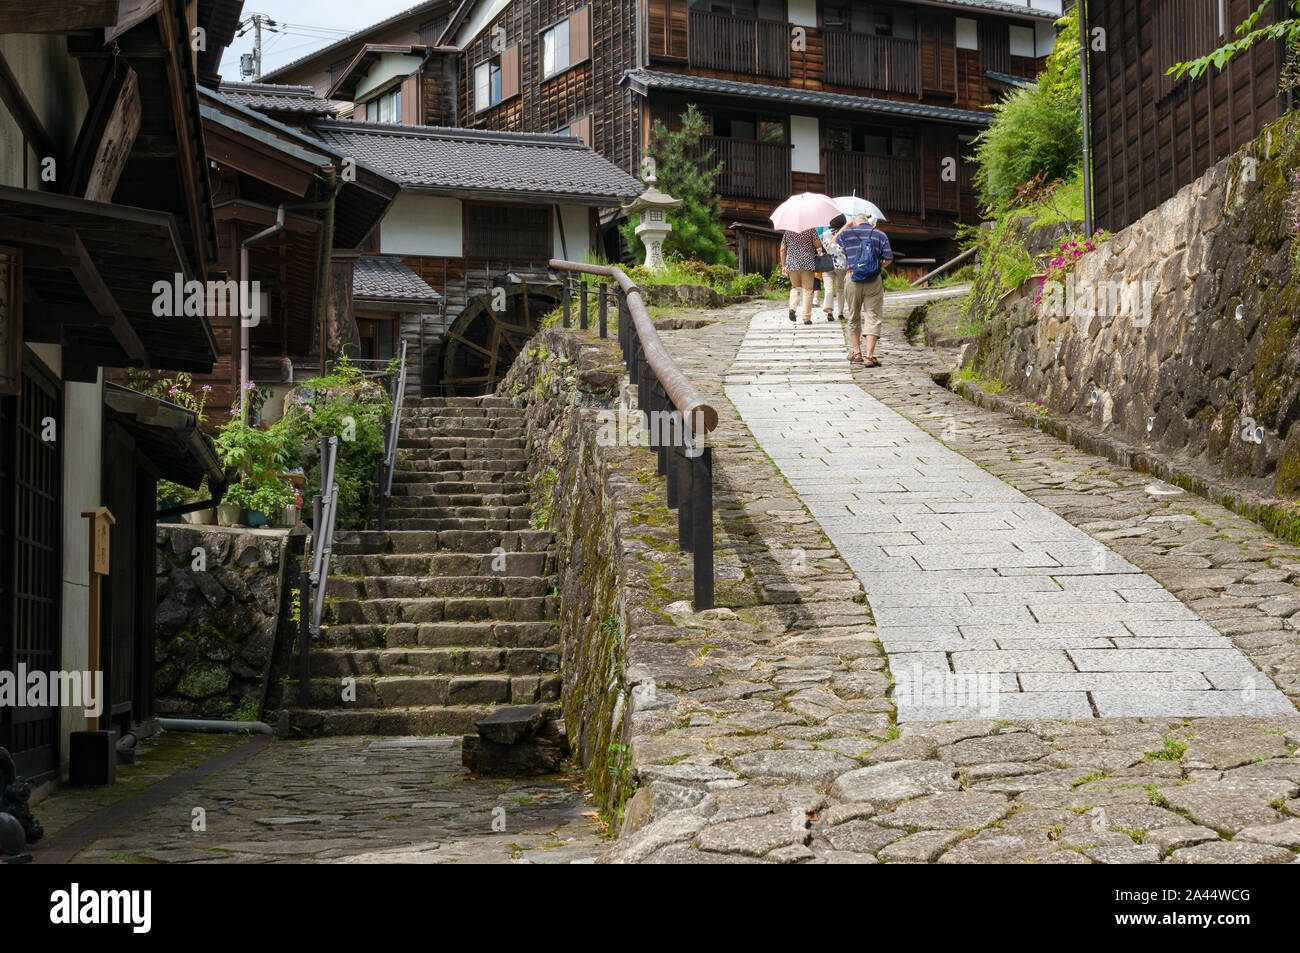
700 416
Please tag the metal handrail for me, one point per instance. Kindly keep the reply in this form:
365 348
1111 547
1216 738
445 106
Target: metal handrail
677 416
390 450
311 585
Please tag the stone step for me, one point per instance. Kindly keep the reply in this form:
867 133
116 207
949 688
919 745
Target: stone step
424 430
435 609
407 507
485 634
476 541
457 488
446 564
425 494
465 426
448 660
408 691
429 440
442 587
461 403
467 525
477 469
416 458
431 720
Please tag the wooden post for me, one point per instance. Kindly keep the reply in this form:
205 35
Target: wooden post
101 522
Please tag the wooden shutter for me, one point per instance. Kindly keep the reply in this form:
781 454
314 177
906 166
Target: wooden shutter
938 38
995 46
582 129
411 100
580 36
668 29
510 72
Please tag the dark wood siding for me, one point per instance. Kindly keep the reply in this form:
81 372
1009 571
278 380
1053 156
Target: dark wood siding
1150 137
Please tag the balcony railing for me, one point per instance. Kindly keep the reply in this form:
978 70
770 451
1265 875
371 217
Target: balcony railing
884 63
740 45
750 169
892 183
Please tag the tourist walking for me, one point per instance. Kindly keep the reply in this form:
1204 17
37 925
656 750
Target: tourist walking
834 278
866 249
798 263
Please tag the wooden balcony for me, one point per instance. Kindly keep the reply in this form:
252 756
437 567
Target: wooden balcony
883 63
892 183
751 169
730 44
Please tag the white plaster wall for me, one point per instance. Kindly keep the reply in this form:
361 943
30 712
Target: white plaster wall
1044 38
483 14
422 225
805 136
1022 41
577 232
968 36
803 12
388 68
51 80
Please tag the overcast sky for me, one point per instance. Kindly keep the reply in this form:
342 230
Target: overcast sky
307 25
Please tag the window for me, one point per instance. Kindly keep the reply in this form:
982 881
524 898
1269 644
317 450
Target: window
386 107
877 19
873 140
555 49
760 9
753 126
512 232
487 84
580 128
378 338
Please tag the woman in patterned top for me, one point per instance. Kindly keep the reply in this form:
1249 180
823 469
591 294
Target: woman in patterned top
799 252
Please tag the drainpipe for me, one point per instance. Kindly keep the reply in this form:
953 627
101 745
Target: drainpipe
245 286
332 188
196 724
1088 226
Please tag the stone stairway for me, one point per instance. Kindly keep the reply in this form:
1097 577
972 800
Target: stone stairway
450 611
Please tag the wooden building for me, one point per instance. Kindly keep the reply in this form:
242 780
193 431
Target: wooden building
296 213
1152 134
877 99
103 194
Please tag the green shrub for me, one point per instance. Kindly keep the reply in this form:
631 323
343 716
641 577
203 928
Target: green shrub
687 173
748 284
1036 131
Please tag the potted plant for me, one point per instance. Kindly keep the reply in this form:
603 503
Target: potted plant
238 498
268 502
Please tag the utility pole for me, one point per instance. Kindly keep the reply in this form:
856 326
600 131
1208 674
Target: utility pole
251 65
1086 117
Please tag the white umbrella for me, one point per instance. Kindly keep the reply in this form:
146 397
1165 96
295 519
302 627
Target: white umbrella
851 206
802 212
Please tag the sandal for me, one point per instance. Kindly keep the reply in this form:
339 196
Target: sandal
871 362
792 314
855 358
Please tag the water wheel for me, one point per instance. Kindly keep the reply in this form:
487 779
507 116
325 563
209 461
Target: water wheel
484 340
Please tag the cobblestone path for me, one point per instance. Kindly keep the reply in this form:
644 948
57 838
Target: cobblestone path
347 800
987 603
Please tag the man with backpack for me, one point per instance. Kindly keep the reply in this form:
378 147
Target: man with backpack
867 251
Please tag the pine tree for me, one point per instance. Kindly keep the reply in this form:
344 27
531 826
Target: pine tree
688 172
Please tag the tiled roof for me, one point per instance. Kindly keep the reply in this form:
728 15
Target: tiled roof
419 8
1009 80
471 161
271 97
643 80
381 276
1000 6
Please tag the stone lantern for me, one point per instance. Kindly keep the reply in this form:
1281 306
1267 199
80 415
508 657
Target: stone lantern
653 206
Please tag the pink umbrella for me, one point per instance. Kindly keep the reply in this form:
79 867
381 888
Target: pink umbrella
802 212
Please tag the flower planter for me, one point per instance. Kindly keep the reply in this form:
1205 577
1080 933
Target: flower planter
228 515
255 518
289 517
202 517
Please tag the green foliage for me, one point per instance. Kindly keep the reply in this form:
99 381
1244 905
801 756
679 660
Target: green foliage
896 283
689 173
178 389
1249 32
348 405
1036 131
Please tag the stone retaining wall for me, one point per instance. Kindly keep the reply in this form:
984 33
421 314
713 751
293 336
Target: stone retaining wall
220 598
604 501
1210 374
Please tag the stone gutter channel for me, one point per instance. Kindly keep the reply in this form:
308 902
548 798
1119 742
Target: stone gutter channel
765 731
